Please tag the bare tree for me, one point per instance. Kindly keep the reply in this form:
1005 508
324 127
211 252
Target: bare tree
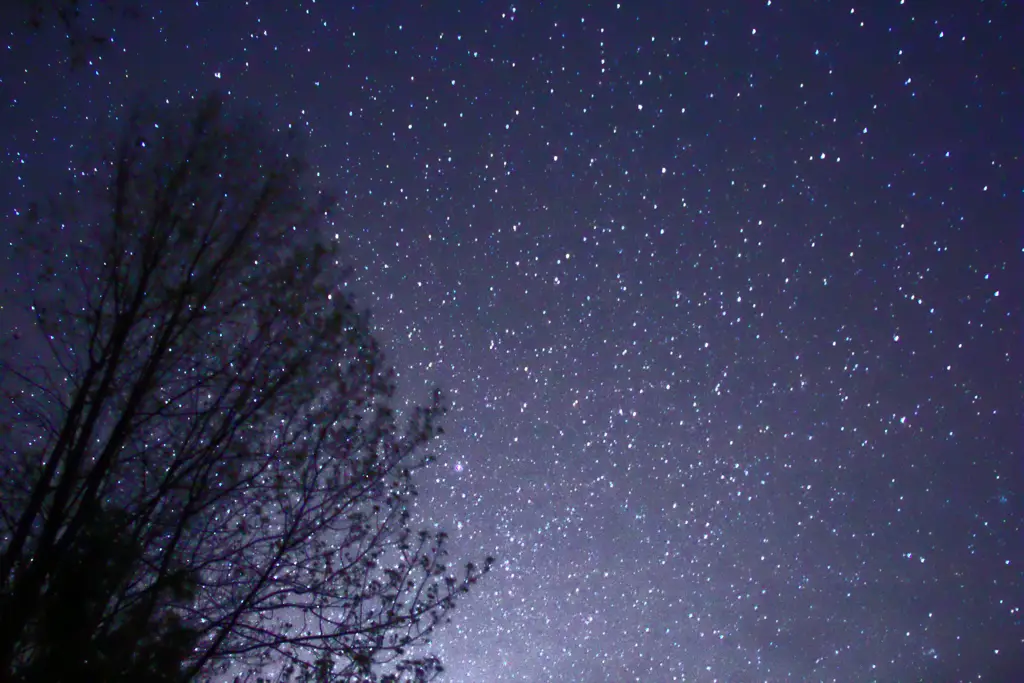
201 471
76 19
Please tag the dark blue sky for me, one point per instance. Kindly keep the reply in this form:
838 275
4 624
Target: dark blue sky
727 298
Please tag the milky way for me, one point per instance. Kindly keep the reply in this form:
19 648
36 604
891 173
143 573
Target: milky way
727 303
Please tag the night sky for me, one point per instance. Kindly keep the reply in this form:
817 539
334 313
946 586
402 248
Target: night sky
726 296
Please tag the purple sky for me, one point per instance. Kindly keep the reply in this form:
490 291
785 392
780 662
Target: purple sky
728 302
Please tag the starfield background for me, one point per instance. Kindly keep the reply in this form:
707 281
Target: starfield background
727 297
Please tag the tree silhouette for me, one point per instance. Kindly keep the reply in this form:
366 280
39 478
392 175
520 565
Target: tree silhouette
202 473
75 19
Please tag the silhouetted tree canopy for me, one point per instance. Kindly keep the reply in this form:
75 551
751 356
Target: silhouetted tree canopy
201 469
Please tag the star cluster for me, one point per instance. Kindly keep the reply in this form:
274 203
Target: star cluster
725 296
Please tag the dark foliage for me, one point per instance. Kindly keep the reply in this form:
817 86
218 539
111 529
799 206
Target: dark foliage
201 471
